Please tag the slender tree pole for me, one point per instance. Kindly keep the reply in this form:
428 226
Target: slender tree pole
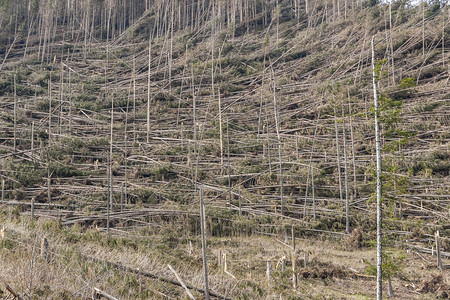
194 109
15 114
148 87
49 109
347 204
220 131
32 137
108 195
3 189
202 228
338 157
311 174
379 216
229 163
278 141
110 155
355 191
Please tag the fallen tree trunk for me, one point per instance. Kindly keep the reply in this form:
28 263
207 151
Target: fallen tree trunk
150 275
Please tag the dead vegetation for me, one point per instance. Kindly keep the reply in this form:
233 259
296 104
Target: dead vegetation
265 106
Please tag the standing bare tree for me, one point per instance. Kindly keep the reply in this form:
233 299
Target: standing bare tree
277 127
378 153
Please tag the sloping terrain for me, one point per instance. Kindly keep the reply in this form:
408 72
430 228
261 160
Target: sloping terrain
265 107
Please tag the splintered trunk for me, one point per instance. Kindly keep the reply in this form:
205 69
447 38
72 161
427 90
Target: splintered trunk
390 289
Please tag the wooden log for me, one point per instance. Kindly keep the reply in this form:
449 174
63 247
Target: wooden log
98 294
12 291
149 275
181 282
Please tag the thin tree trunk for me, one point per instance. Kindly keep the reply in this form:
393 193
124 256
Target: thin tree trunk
347 204
278 141
423 28
355 186
195 128
148 88
202 228
111 153
338 157
310 173
15 114
220 130
108 195
378 153
391 42
32 137
229 164
49 181
3 189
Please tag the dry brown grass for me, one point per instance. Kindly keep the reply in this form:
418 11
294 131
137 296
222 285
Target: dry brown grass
332 272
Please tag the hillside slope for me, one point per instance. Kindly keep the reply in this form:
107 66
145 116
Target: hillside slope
266 107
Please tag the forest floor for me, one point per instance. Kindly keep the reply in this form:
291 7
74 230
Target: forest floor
75 263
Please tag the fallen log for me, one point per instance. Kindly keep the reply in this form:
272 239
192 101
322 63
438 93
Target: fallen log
150 275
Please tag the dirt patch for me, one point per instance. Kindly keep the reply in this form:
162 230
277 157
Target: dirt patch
437 286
